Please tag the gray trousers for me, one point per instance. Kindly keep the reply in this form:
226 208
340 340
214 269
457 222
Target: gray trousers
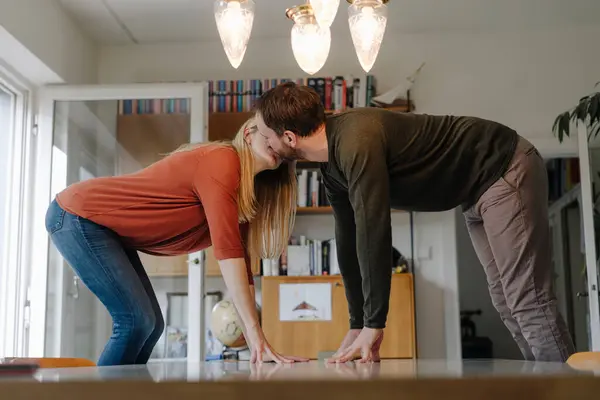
509 228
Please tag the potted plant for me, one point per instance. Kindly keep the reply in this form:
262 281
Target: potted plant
587 110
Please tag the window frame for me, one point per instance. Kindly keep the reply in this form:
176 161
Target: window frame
14 281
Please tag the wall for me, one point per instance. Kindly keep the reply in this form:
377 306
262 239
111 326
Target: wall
522 79
46 32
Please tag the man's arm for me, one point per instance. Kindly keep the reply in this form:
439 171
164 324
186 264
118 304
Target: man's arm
345 240
362 159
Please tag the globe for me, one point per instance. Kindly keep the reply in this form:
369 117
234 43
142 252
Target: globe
226 325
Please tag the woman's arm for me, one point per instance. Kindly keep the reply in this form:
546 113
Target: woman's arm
236 279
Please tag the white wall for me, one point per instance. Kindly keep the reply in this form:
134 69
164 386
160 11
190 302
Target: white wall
53 48
521 79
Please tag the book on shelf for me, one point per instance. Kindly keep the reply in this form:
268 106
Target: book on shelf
311 189
336 92
153 106
304 257
563 175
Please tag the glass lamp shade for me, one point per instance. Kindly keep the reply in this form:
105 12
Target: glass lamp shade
234 22
325 11
310 42
367 20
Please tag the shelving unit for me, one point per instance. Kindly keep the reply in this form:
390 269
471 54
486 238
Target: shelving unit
156 127
314 210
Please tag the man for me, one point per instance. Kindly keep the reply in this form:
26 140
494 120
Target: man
373 160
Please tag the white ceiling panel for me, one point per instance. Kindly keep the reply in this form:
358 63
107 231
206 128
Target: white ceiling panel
95 19
152 21
164 21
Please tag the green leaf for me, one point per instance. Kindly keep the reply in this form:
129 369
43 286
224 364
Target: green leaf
561 125
574 114
594 110
555 124
582 109
564 125
595 130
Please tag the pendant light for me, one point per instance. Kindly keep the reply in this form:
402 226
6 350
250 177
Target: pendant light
234 22
325 11
367 20
310 42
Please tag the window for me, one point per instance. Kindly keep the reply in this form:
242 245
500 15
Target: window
13 125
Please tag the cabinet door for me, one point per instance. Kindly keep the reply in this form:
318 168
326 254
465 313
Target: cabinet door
399 334
225 125
309 338
164 266
304 338
213 269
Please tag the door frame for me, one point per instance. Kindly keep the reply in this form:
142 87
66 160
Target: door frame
39 241
589 235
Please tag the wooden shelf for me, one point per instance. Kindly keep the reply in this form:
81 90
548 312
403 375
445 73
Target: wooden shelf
404 108
225 125
143 134
326 210
314 210
315 277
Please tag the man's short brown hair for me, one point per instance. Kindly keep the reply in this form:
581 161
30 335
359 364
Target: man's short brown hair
291 107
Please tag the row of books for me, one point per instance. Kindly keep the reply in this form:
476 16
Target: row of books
304 257
563 175
337 92
154 106
311 189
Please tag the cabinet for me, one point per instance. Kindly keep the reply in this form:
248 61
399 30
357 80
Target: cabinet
309 338
212 265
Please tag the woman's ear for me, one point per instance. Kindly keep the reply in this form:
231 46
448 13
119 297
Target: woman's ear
247 136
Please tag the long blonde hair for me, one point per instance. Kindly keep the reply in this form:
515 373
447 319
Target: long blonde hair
266 201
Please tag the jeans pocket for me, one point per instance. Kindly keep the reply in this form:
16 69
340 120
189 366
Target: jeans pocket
55 217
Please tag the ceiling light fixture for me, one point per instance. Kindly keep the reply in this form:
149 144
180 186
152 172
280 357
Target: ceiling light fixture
234 22
325 11
310 42
367 20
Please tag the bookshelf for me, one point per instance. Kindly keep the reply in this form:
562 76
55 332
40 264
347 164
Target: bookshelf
150 128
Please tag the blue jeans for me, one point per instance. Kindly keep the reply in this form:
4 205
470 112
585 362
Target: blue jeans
117 277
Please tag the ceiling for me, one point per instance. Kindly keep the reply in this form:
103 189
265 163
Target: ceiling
115 22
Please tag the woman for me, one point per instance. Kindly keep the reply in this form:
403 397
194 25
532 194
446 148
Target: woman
224 195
